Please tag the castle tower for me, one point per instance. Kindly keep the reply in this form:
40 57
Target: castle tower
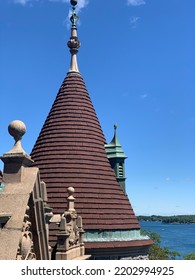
70 152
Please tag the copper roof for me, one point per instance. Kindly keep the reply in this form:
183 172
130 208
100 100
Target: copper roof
70 152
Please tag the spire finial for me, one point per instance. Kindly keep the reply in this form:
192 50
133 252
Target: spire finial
115 128
74 43
74 18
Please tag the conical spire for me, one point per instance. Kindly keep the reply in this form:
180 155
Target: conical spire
74 43
70 152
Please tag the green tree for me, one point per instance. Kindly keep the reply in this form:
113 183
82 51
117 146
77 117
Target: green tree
190 256
156 252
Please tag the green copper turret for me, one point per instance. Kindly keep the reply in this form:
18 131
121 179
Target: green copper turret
117 157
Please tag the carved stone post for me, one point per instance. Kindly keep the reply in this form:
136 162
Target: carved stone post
70 237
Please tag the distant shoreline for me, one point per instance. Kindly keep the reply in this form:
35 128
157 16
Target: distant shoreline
176 219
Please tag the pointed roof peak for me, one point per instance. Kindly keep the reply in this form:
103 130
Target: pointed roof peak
115 140
114 148
73 43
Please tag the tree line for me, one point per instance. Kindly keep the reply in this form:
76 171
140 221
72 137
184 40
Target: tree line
157 252
176 219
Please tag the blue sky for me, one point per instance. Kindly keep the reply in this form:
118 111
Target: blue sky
137 59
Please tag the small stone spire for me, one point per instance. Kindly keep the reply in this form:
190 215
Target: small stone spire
74 43
71 199
70 237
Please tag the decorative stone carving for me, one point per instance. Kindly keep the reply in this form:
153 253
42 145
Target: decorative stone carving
70 238
25 250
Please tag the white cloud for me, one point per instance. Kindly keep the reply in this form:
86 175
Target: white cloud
22 2
135 2
133 21
81 3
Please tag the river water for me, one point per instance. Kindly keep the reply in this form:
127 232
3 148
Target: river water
177 237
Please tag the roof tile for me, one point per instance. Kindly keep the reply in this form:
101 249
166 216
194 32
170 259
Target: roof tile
70 152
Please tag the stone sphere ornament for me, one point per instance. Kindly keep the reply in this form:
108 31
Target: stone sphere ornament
17 129
71 190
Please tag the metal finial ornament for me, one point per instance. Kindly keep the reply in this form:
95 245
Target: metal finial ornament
74 18
73 43
73 2
115 128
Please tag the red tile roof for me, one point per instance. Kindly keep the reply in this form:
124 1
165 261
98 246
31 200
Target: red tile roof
70 152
